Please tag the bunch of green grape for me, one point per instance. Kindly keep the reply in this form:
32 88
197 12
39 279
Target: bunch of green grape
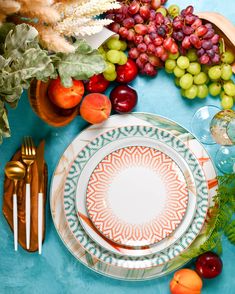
113 53
222 83
198 81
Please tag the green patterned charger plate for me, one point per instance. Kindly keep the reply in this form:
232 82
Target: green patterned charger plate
156 259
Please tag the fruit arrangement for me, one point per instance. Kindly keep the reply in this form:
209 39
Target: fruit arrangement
148 37
208 266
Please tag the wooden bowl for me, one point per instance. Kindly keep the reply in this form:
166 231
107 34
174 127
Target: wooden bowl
223 27
45 109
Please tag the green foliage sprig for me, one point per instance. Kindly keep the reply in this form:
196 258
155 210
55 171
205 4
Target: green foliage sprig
22 60
221 218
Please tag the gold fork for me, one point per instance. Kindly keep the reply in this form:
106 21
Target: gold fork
28 154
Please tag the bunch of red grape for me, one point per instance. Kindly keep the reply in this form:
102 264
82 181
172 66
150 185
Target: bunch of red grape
154 33
146 30
190 32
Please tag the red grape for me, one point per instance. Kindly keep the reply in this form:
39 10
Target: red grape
152 15
204 59
143 58
155 4
141 29
215 39
142 47
178 24
187 30
168 43
131 35
138 39
201 31
128 22
174 48
159 19
164 56
150 48
197 23
151 28
210 33
186 44
145 12
189 19
161 31
211 53
134 7
194 39
209 25
147 39
159 51
114 27
158 41
138 19
154 60
216 58
123 32
133 53
207 44
189 10
200 52
139 63
149 69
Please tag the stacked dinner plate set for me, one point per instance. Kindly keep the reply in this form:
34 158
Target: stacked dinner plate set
130 197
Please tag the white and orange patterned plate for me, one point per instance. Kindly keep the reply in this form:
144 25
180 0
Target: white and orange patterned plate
85 175
137 196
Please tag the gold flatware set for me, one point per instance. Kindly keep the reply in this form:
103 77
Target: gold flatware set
16 171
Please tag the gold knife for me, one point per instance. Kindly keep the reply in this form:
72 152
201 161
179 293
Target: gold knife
40 165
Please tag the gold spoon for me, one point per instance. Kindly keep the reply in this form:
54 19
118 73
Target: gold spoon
15 171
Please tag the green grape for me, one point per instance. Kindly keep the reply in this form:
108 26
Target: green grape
123 45
110 77
110 68
222 94
214 72
183 62
202 91
229 88
215 89
114 44
123 58
192 55
173 10
162 10
177 82
170 64
205 68
194 68
169 71
227 102
178 72
228 57
192 92
173 56
200 78
186 81
182 92
113 56
101 50
226 72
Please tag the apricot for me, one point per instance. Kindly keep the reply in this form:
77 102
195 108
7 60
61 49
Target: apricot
95 108
186 281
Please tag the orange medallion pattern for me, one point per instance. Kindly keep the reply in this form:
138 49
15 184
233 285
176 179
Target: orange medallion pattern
163 223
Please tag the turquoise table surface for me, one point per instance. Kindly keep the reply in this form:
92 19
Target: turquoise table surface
57 271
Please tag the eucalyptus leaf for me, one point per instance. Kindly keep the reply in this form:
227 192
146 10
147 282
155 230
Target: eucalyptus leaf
80 66
18 40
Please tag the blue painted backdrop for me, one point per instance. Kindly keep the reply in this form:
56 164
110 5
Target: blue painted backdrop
57 271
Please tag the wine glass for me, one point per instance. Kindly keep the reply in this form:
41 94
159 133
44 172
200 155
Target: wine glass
222 128
211 125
